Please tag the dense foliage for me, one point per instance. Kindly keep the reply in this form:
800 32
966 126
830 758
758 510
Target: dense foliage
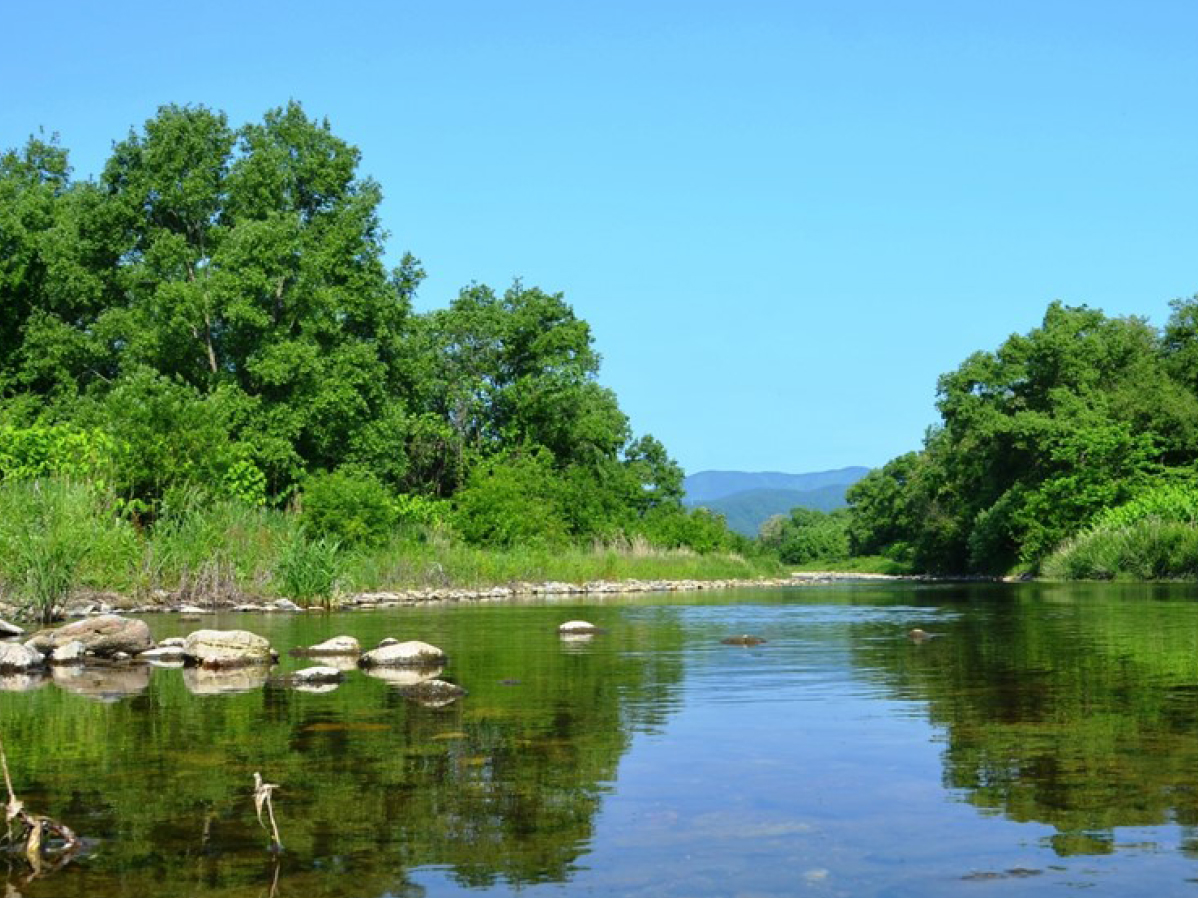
214 309
1037 439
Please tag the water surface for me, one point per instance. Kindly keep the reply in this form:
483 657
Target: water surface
1045 741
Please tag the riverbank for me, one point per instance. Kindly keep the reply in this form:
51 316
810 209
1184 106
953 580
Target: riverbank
162 601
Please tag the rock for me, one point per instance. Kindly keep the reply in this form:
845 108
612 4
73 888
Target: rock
68 653
338 645
171 642
578 627
433 693
413 653
191 609
918 635
164 653
7 629
227 648
17 658
321 674
746 639
390 640
104 635
226 680
283 605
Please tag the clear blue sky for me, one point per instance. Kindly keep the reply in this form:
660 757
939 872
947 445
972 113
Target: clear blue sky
783 220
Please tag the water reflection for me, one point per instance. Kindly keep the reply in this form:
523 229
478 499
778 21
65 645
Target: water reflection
225 681
102 683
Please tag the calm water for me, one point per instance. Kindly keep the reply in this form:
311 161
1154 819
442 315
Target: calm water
1045 742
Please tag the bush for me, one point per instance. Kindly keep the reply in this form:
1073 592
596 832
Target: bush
515 501
349 507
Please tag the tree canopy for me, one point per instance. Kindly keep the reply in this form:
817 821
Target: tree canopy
215 308
1036 439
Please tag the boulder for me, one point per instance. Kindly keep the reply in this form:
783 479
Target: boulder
412 653
104 635
338 645
227 648
283 605
171 642
17 658
7 629
68 653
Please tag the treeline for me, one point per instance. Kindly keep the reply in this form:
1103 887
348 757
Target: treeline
213 312
1040 445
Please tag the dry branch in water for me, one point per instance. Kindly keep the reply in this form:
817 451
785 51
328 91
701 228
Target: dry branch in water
33 830
262 797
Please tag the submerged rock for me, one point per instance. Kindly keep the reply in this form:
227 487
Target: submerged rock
413 652
744 639
104 635
227 648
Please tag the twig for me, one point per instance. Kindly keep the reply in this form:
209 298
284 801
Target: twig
262 796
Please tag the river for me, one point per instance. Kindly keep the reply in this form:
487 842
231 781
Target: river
1044 740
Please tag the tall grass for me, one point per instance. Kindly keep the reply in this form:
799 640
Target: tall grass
58 538
1149 549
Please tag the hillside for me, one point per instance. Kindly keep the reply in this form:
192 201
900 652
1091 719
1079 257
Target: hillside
747 511
708 485
747 499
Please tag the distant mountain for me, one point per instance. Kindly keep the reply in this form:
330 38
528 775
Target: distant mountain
747 500
708 485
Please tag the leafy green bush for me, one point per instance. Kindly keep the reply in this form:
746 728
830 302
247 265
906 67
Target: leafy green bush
350 507
513 501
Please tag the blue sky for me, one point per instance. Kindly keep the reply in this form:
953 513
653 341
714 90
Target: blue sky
782 220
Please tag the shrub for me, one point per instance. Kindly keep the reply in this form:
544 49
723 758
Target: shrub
348 506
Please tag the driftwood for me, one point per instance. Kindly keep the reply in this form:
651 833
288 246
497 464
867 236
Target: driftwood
33 830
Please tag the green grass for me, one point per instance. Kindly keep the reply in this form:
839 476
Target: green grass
58 538
863 564
1148 549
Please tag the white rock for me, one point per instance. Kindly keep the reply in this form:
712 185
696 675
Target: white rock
68 653
283 605
7 629
412 652
16 657
171 641
227 648
338 645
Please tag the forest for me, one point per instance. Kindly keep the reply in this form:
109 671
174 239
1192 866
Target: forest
1069 451
210 323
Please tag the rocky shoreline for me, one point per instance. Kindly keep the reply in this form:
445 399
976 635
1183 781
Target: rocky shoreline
164 602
